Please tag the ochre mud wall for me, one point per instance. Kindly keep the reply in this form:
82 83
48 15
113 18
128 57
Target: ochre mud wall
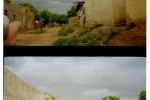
136 12
105 11
16 12
17 89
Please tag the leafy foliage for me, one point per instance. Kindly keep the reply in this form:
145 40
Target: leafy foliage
51 96
45 15
62 18
142 95
111 98
50 17
67 42
88 39
53 18
83 38
72 12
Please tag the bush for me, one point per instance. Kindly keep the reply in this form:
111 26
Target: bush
87 40
67 42
65 31
88 37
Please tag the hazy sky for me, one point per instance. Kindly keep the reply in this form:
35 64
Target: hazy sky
58 6
82 78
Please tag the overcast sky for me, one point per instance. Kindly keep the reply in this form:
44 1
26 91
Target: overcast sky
58 6
82 78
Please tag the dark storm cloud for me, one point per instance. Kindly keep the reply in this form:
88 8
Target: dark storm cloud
83 78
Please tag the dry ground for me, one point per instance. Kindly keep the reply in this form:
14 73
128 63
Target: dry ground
38 39
133 37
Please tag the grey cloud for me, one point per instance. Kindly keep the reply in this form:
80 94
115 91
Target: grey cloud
83 78
57 6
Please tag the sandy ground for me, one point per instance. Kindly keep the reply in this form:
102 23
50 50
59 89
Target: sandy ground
133 37
41 39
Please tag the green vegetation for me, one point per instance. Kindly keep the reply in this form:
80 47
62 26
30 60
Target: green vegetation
89 39
50 17
46 16
33 9
65 31
112 33
50 96
84 38
53 18
62 19
72 12
111 98
67 42
142 95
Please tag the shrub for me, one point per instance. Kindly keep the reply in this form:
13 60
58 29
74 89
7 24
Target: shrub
88 37
67 42
87 40
65 31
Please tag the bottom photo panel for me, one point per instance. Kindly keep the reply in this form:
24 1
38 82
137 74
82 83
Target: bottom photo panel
74 78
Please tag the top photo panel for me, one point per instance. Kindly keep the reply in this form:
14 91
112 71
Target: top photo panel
74 22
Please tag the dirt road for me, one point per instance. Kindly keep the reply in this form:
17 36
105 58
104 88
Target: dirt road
38 39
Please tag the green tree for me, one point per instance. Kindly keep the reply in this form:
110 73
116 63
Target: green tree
62 19
111 98
53 18
142 95
32 9
72 12
45 15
